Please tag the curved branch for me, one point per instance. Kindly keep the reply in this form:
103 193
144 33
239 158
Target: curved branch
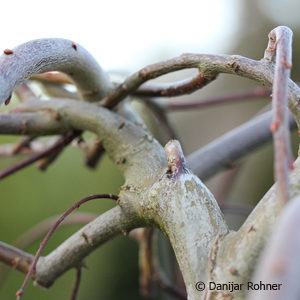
261 71
125 143
52 55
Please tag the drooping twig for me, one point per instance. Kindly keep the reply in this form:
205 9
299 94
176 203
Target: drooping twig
183 87
31 271
62 142
222 99
76 283
280 42
36 157
38 231
152 71
93 153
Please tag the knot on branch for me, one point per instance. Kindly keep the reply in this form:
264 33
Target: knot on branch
176 160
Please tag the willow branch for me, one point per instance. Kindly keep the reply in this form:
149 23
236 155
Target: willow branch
281 37
223 152
43 55
23 143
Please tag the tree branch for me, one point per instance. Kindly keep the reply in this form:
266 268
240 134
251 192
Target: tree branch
261 71
227 149
282 37
52 55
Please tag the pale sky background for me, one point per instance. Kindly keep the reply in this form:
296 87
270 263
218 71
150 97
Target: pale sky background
124 35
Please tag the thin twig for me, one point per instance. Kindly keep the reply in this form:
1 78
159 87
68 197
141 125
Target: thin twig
222 99
280 41
93 153
33 234
31 271
34 158
183 87
152 71
76 284
63 141
23 143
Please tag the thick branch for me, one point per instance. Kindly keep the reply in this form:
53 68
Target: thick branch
52 55
125 143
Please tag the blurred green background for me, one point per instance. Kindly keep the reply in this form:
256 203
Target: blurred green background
30 196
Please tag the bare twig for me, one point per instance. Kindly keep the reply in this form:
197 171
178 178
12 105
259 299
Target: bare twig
41 229
179 88
62 142
32 269
222 99
48 152
76 283
94 153
24 143
280 40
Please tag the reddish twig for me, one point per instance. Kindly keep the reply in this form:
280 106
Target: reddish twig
51 231
183 87
37 232
24 143
94 153
51 150
153 71
280 40
258 92
76 284
63 141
